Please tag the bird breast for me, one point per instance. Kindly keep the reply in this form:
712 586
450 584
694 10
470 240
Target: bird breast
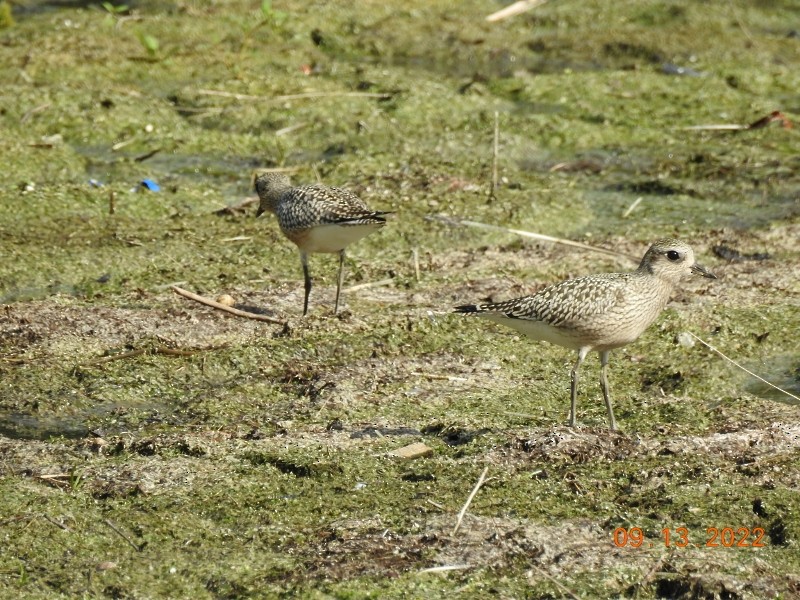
332 237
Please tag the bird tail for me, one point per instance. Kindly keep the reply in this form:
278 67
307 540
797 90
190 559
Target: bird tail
467 309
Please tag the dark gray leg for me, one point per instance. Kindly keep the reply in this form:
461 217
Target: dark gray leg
604 386
341 280
307 277
574 387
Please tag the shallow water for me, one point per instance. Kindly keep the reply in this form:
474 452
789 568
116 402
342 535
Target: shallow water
782 371
28 427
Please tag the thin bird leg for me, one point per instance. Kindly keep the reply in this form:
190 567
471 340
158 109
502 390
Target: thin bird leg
604 386
574 387
307 277
341 280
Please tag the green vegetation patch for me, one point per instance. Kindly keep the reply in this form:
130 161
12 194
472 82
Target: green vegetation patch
154 447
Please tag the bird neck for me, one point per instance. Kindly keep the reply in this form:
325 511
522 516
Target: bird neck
273 195
668 280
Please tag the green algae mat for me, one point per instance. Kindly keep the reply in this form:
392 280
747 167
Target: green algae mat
152 446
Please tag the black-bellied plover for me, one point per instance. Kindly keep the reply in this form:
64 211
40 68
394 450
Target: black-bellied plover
598 312
316 218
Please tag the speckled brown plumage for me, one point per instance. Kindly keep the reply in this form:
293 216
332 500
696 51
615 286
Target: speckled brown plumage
317 218
598 312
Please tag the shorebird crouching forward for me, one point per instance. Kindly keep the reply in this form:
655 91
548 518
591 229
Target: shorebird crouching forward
316 218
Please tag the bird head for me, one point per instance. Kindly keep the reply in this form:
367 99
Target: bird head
670 259
269 186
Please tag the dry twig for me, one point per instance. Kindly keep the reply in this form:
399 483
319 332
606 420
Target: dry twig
141 351
368 284
307 95
557 583
445 568
56 523
512 10
530 234
649 575
34 111
228 309
474 491
122 535
632 207
734 363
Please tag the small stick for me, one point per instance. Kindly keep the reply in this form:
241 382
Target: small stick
175 351
434 377
733 362
368 284
649 575
13 360
290 129
557 583
105 359
166 286
529 234
229 309
56 523
493 188
469 499
122 144
512 10
146 155
304 96
112 201
33 111
415 258
445 568
631 208
719 127
156 350
316 172
122 535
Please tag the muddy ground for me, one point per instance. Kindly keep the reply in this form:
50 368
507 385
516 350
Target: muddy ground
151 446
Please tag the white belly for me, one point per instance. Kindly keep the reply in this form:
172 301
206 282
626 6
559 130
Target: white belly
538 330
333 238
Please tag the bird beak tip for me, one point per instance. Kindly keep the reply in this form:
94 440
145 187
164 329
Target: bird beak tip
701 270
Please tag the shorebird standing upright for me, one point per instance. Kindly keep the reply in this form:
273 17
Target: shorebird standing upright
598 312
316 218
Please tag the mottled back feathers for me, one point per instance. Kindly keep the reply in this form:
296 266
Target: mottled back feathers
598 311
314 205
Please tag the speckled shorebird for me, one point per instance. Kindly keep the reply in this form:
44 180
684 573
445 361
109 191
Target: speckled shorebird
316 218
598 312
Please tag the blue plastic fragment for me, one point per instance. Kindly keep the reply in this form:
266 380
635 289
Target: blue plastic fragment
95 183
150 185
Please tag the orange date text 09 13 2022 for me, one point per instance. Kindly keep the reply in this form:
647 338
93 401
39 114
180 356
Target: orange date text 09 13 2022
725 537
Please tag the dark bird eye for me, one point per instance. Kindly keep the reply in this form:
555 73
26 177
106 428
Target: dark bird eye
673 255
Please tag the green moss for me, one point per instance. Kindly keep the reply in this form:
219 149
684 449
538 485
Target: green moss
257 461
6 15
